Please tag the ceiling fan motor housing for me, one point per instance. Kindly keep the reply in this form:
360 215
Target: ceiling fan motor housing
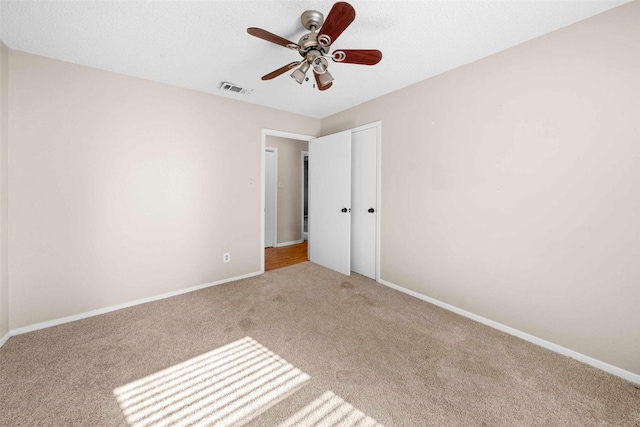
309 42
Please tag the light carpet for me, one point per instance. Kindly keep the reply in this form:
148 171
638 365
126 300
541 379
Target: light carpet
298 346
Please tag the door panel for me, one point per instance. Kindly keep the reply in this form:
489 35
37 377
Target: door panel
363 199
329 194
270 198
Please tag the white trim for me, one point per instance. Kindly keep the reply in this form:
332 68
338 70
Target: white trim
624 374
293 242
285 134
303 154
100 311
263 173
5 338
263 145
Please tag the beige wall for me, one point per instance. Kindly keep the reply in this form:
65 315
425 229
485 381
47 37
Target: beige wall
289 186
511 186
123 189
4 137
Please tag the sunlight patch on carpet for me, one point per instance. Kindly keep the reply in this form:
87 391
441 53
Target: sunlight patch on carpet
224 387
330 410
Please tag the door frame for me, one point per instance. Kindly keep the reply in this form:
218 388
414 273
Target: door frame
303 154
378 126
275 196
282 134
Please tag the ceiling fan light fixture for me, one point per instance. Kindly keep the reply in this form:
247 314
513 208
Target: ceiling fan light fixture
320 65
300 73
325 78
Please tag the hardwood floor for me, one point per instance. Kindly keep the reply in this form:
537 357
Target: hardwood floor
285 256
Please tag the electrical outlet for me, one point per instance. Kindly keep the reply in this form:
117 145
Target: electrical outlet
226 257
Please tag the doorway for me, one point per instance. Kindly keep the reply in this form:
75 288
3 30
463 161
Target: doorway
288 235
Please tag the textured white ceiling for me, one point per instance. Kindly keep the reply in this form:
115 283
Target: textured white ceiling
199 44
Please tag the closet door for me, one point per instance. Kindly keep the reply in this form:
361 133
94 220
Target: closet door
270 197
330 201
364 195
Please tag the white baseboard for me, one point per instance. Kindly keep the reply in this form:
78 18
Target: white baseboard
294 242
5 338
626 375
97 312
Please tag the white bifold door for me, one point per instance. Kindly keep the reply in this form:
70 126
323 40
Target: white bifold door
364 196
343 201
330 201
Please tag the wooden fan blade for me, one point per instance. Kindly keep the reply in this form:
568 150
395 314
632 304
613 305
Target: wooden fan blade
341 15
270 37
358 56
279 71
320 87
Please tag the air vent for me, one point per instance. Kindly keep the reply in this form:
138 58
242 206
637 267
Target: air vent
230 87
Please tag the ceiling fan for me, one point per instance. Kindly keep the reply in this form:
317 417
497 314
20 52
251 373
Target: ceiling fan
314 46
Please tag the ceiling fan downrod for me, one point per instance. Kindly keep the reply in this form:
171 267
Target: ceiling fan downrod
311 49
